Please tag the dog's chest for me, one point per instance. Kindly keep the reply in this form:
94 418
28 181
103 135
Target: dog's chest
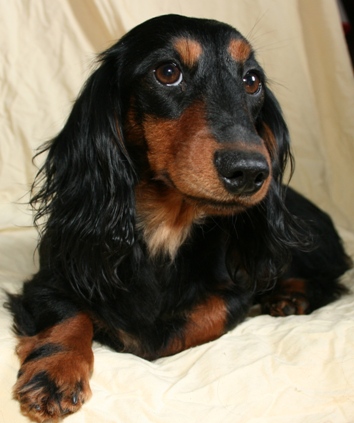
165 221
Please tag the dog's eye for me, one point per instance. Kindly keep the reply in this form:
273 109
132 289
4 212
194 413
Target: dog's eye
169 74
252 83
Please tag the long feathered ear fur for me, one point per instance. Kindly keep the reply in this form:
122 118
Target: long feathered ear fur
86 186
268 232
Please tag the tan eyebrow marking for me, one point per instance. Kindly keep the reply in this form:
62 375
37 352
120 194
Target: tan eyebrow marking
240 50
189 50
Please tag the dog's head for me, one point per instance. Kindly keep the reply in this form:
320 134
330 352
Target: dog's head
177 123
195 110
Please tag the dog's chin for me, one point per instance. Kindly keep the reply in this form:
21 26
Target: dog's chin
208 203
215 207
221 202
222 208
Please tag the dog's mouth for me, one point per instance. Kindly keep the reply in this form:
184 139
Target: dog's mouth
214 207
229 199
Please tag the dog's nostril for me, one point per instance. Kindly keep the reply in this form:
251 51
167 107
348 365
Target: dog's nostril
260 178
242 173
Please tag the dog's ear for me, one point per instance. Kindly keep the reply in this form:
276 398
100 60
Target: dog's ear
273 129
268 232
86 186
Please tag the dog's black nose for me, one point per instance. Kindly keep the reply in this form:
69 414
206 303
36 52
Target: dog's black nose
242 173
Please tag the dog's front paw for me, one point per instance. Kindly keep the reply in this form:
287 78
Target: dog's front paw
281 305
53 382
289 297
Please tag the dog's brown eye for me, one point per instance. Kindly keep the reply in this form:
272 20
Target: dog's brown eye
252 83
168 74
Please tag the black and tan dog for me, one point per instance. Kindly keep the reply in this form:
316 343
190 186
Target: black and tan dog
165 213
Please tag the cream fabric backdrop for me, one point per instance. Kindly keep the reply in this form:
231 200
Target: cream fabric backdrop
298 369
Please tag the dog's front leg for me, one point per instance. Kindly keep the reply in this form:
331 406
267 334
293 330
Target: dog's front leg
56 365
206 322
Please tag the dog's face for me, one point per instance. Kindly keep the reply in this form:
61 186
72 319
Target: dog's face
194 112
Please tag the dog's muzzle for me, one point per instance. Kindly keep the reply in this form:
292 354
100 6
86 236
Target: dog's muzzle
242 172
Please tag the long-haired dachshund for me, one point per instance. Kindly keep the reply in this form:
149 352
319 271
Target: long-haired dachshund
164 215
